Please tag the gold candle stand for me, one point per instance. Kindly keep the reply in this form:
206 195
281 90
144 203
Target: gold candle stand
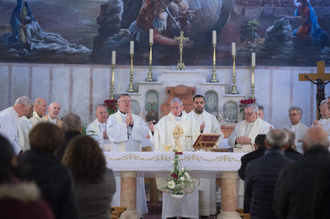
149 78
214 75
112 91
131 86
252 85
234 91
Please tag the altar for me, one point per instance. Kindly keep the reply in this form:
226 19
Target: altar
129 165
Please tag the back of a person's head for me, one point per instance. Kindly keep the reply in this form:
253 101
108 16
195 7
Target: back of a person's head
315 136
6 155
277 138
46 137
84 157
260 140
292 138
71 122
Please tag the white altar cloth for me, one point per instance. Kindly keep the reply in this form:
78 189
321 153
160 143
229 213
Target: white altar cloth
151 164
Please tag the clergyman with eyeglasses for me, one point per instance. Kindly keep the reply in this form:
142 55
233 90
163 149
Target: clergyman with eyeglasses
246 131
299 128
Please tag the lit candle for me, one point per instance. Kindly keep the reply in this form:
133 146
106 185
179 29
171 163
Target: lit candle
151 36
214 37
253 59
113 57
233 49
131 48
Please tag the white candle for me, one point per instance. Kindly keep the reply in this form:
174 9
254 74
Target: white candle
233 49
253 59
131 48
214 37
151 36
113 57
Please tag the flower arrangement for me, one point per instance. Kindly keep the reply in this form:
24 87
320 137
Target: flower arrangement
111 106
179 179
246 102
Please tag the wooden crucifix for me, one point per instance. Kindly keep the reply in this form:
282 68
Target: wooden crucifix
320 77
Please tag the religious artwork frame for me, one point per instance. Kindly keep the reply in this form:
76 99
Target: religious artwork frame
230 111
206 141
211 102
135 107
152 106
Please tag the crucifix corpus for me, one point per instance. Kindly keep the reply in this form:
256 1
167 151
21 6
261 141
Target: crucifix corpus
320 77
180 66
177 134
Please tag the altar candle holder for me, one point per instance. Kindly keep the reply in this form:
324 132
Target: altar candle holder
214 75
234 91
149 78
252 84
112 82
131 77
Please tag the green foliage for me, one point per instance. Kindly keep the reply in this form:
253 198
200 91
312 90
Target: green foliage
249 29
84 132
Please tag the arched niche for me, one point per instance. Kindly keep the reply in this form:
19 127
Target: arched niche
135 107
230 111
211 102
152 106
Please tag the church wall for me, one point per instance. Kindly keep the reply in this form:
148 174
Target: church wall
80 88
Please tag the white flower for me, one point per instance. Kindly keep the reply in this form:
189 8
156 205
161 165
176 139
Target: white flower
171 184
181 178
182 169
172 162
187 175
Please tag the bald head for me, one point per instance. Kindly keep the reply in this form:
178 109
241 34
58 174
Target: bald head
315 136
54 109
101 113
40 106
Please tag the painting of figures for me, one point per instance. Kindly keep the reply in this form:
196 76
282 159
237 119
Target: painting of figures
280 32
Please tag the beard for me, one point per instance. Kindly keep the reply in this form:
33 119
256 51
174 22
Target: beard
199 110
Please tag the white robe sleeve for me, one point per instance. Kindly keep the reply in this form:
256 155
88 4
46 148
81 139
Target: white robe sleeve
8 129
116 132
96 135
233 136
216 129
140 129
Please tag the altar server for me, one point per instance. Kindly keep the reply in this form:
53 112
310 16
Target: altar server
10 126
99 126
162 133
40 108
299 128
126 131
208 124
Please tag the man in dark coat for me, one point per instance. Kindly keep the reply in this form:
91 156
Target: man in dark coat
295 186
262 173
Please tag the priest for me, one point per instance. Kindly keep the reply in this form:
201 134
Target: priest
26 127
247 130
98 128
53 110
161 134
10 126
324 122
126 131
40 108
208 124
299 128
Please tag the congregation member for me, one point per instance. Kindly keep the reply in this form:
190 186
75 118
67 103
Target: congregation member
99 127
325 115
294 192
26 127
39 110
260 148
261 175
71 125
290 152
246 131
10 126
161 134
261 112
126 131
42 166
94 183
208 124
18 198
299 128
53 110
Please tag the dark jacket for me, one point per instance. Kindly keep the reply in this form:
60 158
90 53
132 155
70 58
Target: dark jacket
295 187
248 157
260 180
53 179
293 154
68 136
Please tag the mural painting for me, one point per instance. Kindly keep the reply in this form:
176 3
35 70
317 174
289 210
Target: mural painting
281 32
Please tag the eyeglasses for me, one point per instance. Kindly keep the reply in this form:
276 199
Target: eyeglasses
125 101
294 114
248 114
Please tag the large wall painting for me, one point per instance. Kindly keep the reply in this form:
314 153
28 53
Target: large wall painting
280 32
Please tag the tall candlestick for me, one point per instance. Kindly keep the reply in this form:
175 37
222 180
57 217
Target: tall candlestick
214 37
113 58
253 59
151 36
131 48
233 49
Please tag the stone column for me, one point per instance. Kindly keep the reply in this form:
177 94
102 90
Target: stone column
128 195
229 195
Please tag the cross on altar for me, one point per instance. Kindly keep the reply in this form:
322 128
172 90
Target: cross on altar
181 38
320 77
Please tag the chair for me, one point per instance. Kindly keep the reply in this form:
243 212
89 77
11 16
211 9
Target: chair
117 211
243 215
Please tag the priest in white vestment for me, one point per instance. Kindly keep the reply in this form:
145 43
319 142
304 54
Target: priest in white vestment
10 126
126 131
26 126
161 134
299 128
53 110
207 187
40 108
99 127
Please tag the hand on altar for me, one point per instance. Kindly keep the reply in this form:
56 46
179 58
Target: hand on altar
151 127
202 127
317 124
105 135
